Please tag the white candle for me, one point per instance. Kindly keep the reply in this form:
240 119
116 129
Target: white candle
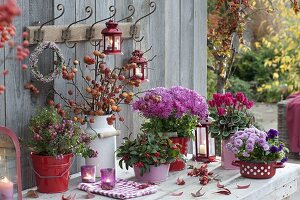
202 149
6 189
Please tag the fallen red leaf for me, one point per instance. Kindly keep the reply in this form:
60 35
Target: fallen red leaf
176 193
219 185
198 193
180 181
224 191
69 197
243 186
32 194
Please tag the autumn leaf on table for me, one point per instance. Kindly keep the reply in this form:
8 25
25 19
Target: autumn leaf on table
224 191
70 197
180 181
32 194
176 193
220 185
198 193
243 186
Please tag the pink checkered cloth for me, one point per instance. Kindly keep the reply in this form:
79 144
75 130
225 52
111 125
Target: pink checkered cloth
123 189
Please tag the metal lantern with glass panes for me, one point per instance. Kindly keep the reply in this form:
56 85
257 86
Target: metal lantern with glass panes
10 165
141 70
112 36
204 148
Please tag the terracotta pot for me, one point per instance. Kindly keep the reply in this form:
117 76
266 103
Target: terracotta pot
227 157
155 175
257 170
179 164
51 174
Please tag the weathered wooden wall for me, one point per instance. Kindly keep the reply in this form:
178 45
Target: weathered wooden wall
176 32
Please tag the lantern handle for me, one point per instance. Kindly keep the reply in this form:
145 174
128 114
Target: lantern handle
153 6
67 33
89 31
38 34
132 9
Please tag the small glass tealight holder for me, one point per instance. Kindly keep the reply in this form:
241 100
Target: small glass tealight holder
88 173
108 178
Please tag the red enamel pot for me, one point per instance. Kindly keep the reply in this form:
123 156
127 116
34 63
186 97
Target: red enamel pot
258 170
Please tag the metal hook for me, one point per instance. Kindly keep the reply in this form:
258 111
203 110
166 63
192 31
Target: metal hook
147 50
151 59
39 34
66 34
132 9
134 27
90 31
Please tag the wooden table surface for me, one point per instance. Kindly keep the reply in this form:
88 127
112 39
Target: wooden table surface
282 185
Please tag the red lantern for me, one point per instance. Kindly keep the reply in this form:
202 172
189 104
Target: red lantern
141 71
204 146
112 36
10 165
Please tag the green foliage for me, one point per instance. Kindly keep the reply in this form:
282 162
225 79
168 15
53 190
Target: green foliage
184 126
235 85
146 150
226 125
52 135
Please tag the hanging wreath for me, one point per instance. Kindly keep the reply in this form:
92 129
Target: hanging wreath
34 62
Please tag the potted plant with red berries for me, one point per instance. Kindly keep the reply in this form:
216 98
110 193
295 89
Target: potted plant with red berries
175 112
53 140
99 103
150 156
231 114
259 153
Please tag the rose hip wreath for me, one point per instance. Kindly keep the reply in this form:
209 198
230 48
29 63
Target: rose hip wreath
34 62
106 89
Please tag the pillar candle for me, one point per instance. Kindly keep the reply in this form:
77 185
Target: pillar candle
6 189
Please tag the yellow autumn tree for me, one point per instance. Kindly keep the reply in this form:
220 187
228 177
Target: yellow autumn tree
284 40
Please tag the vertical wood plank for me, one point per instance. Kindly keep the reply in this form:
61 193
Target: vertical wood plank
157 40
2 82
60 84
120 60
186 43
200 43
18 101
172 40
83 49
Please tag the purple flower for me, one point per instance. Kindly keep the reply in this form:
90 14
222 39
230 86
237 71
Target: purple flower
235 150
174 102
272 133
266 147
238 142
249 147
262 142
246 154
273 149
280 147
283 160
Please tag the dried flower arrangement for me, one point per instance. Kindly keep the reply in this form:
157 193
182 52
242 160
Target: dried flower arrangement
106 88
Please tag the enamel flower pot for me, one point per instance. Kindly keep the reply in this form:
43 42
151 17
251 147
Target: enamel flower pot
179 164
257 170
156 174
227 157
51 173
105 146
